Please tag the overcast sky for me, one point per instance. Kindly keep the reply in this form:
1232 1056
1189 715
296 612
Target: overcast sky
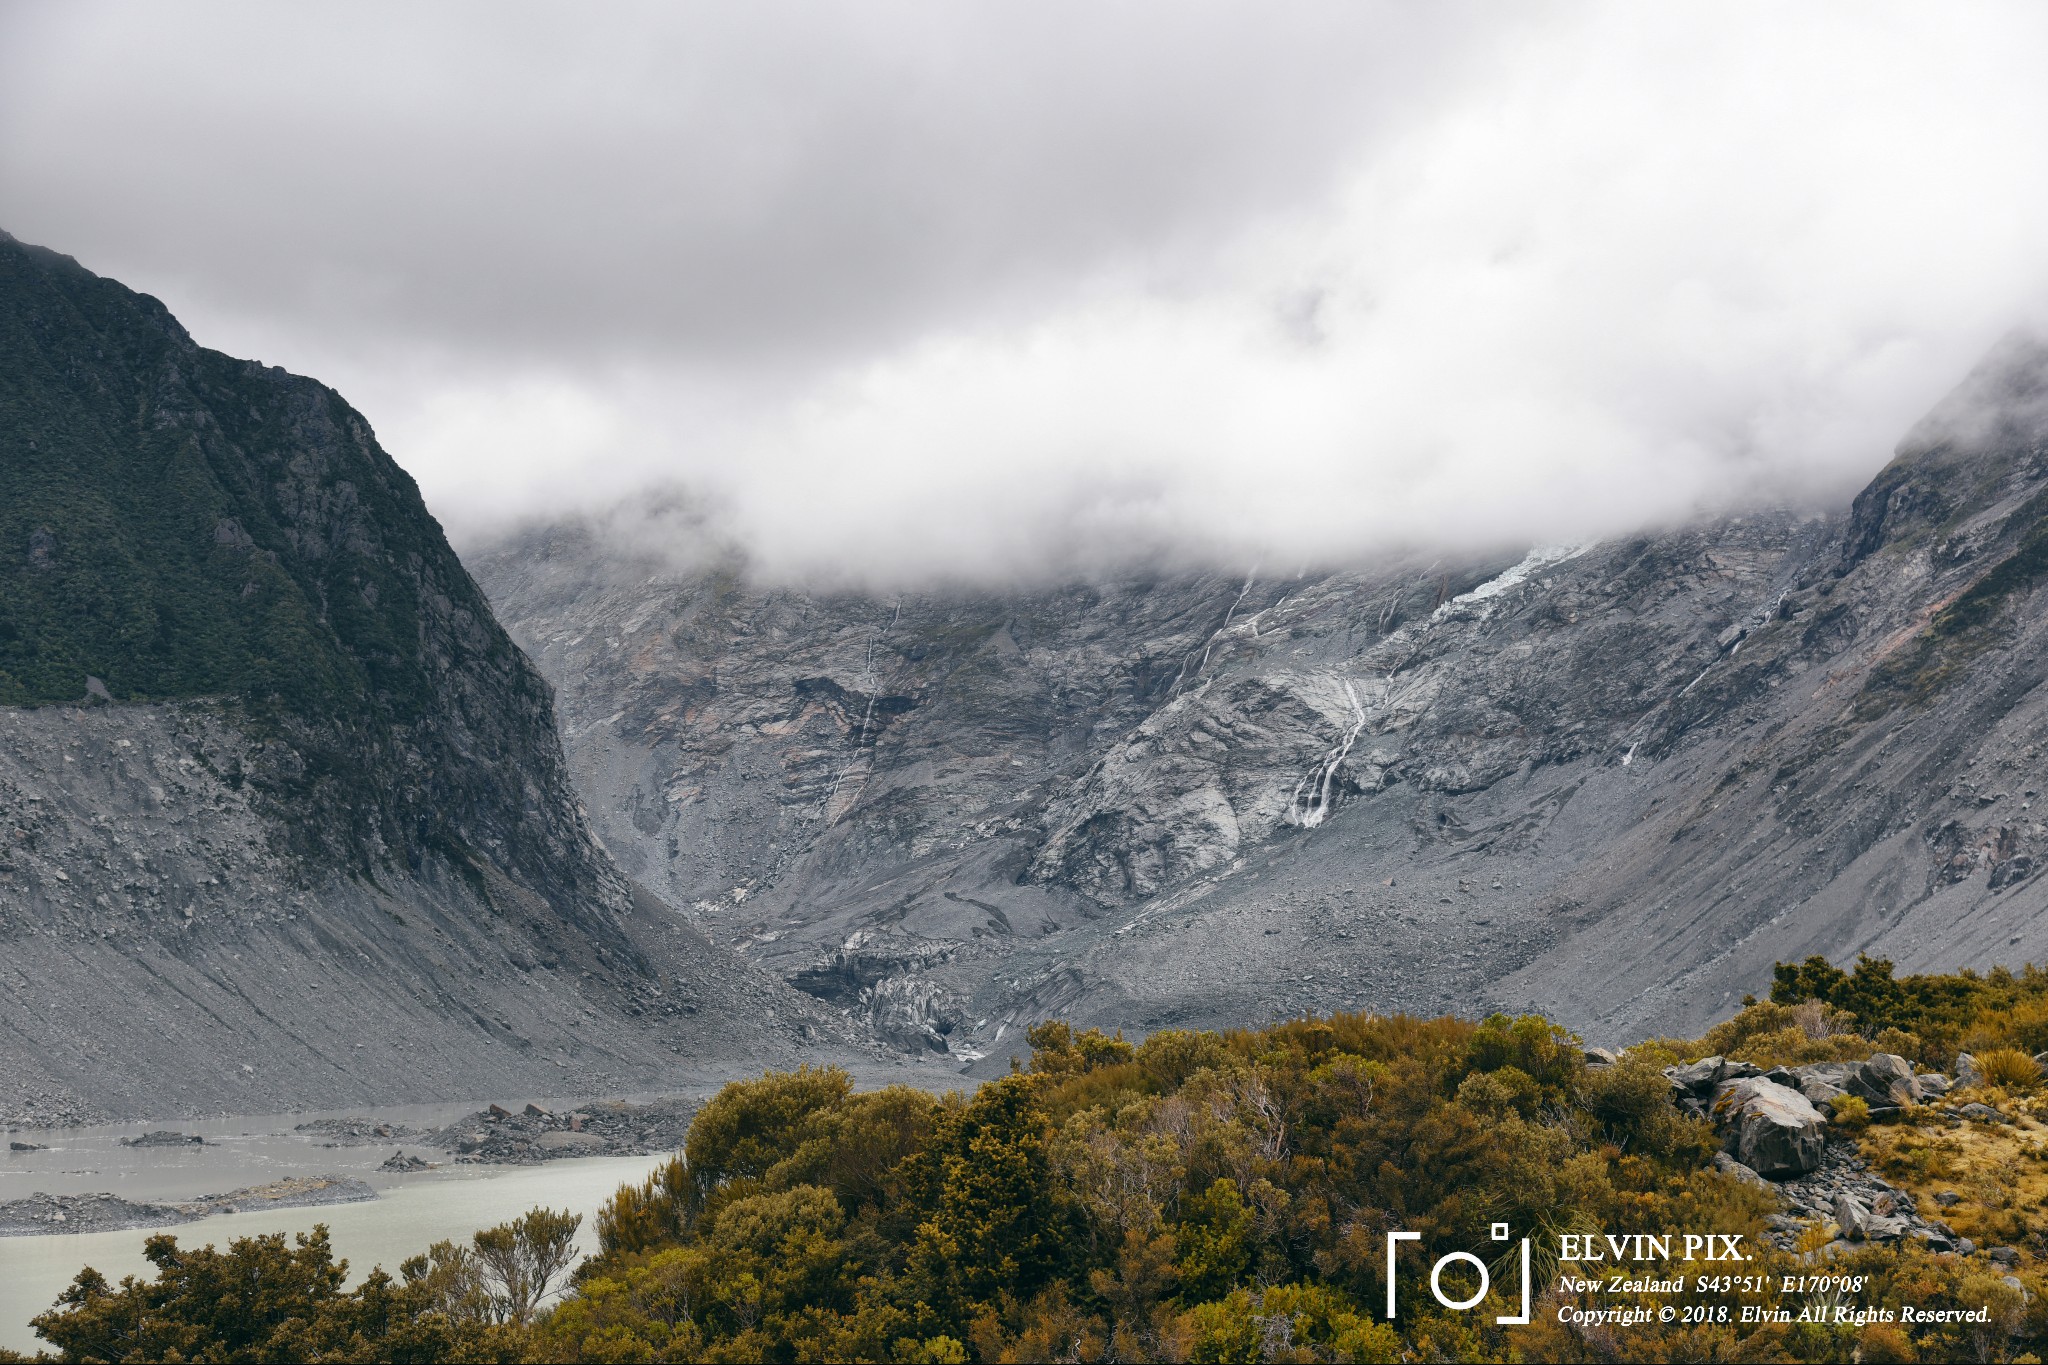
904 291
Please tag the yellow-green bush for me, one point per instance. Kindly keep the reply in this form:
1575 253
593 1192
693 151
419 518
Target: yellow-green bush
1850 1113
2009 1069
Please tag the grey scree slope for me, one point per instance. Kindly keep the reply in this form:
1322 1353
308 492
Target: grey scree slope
349 868
1612 782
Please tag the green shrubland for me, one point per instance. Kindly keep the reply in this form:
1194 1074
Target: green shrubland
1197 1196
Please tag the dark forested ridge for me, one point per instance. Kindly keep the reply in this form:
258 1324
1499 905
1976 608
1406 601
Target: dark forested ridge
259 726
183 523
177 523
1228 1197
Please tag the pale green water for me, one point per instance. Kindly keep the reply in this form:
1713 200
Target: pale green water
410 1213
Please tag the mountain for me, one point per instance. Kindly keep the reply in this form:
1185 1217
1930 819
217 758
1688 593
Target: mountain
1612 781
284 820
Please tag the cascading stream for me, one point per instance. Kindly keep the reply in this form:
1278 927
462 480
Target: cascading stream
1318 784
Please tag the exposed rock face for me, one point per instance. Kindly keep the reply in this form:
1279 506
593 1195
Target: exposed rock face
1771 1128
1612 782
283 816
1884 1080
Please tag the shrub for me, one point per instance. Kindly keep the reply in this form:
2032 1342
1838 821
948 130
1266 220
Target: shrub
2026 1025
1539 1049
1900 1043
1496 1094
1850 1112
2009 1068
1057 1050
1172 1055
1772 1033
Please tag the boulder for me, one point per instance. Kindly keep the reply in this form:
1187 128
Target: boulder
1850 1216
1821 1081
163 1137
1696 1077
534 1111
25 1147
1728 1165
1932 1086
1819 1092
1769 1128
1885 1080
2004 1255
1982 1113
1886 1223
1967 1071
1599 1056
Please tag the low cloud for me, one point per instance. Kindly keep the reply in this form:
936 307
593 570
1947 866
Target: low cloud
995 292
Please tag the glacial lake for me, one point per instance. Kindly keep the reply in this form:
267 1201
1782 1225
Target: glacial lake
411 1211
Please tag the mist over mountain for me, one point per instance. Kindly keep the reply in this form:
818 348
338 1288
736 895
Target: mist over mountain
907 299
1614 780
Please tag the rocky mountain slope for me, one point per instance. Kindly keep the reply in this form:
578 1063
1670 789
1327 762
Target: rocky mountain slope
1613 782
283 816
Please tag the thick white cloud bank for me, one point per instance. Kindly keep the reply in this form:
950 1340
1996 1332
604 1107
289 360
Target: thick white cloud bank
985 293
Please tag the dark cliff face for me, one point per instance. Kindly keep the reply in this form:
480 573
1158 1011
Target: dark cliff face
284 818
177 523
1615 780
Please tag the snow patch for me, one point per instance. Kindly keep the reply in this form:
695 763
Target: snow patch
1542 557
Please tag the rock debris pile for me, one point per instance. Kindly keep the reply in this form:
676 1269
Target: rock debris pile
42 1213
533 1135
1775 1129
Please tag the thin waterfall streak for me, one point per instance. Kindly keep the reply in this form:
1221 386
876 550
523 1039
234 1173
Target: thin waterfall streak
1216 634
1322 781
867 715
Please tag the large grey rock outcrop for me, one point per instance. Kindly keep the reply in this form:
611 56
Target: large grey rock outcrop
1885 1081
1768 1127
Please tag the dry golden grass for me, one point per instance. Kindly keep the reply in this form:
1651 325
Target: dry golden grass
2010 1069
2000 1171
